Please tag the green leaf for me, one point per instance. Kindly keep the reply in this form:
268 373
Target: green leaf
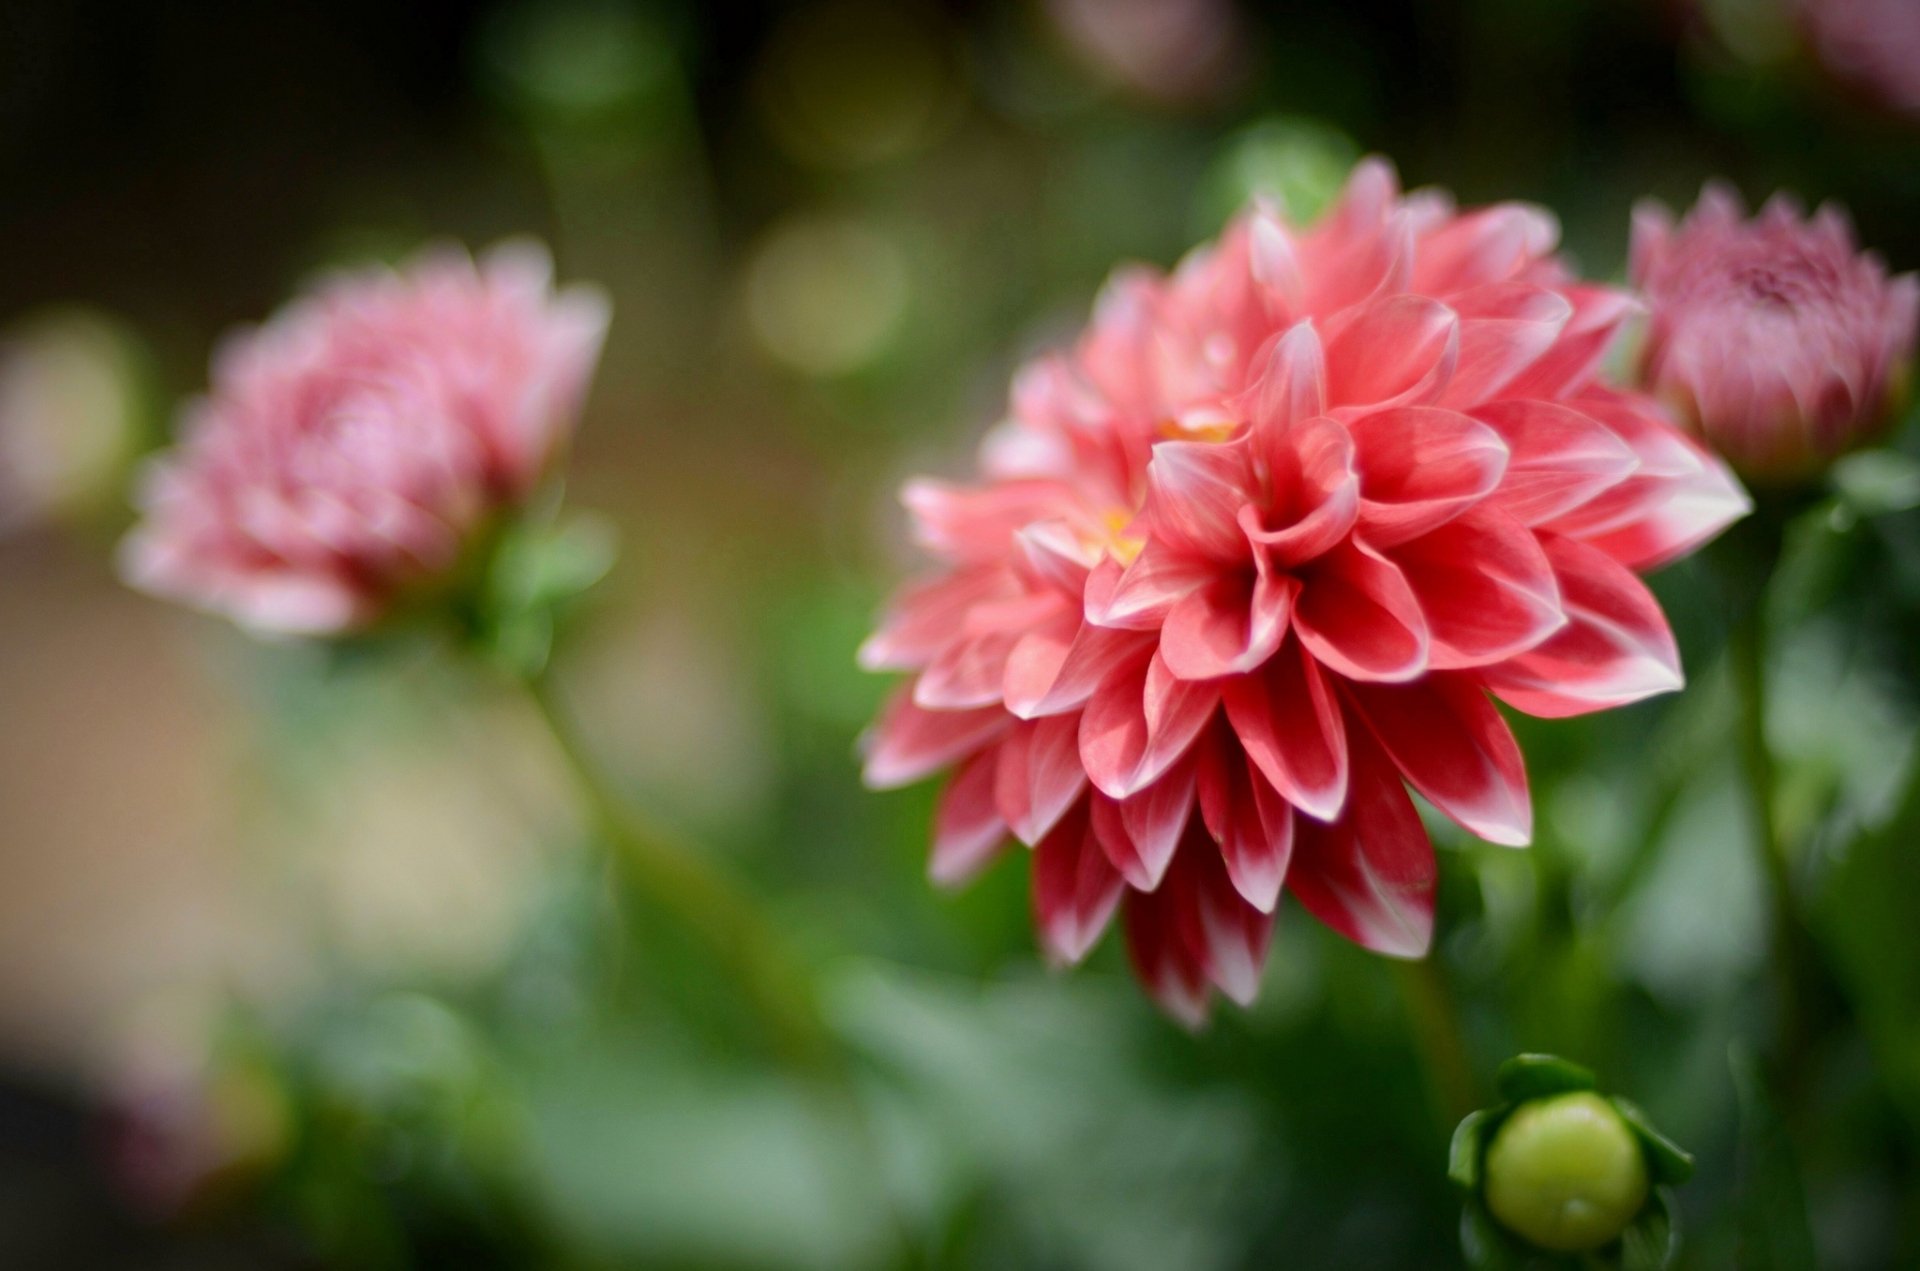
1653 1242
1469 1145
1536 1076
1485 1245
1669 1162
1877 482
1770 1206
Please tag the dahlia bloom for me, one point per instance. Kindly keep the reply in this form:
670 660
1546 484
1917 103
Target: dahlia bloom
1775 339
353 447
1249 559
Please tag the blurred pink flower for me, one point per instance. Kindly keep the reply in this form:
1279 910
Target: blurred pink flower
1254 553
1773 338
355 445
1873 45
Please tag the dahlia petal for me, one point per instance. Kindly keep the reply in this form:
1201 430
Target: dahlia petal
1039 775
1315 465
1056 556
1559 458
1370 875
1273 262
1421 467
1139 596
1230 626
1504 330
967 673
1615 649
1139 834
1598 315
1155 818
1075 890
968 830
1680 496
979 524
908 742
1057 668
1357 614
1290 726
1234 935
1396 351
1195 491
1491 245
1138 724
1486 587
1250 820
1166 956
1453 746
1291 384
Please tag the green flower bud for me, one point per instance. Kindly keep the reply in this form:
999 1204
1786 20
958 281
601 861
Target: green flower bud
1566 1173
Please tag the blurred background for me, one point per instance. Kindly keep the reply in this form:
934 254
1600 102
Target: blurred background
302 959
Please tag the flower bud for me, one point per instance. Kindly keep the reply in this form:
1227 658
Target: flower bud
1566 1173
1774 338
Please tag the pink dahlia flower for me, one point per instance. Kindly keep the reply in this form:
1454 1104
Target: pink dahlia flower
354 446
1249 559
1774 338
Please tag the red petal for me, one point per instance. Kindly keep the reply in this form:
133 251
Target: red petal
1398 351
1166 956
1680 497
1370 875
1559 458
1195 490
1615 649
1039 775
1357 614
1291 385
1452 745
1287 721
908 743
1250 821
1315 494
1074 888
1137 725
1504 330
968 831
1421 467
1230 626
1057 668
1141 595
1486 587
1487 246
925 616
1598 314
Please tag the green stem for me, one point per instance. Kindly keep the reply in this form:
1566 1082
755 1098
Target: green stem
1437 1039
727 918
1755 551
717 910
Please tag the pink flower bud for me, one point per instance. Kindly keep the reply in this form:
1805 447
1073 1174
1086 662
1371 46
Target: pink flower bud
1775 338
354 446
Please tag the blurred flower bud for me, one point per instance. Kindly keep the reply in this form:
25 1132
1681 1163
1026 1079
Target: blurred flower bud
71 412
1873 46
355 449
1171 51
1775 339
1560 1169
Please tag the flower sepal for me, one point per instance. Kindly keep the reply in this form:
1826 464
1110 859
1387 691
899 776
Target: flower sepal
532 578
1559 1175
